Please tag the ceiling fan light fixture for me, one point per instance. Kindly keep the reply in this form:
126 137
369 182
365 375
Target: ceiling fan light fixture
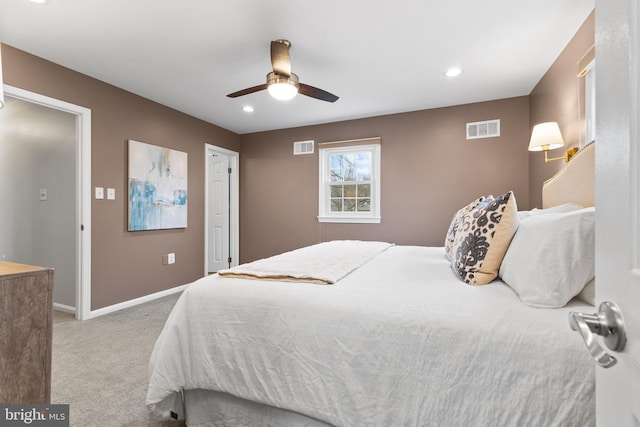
282 88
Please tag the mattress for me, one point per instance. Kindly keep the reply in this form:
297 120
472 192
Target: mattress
399 341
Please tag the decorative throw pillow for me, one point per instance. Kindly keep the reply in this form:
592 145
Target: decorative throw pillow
455 223
482 239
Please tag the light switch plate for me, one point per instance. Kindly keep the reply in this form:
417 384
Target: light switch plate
99 193
111 193
43 194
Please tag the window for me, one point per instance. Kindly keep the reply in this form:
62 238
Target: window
587 69
590 104
350 182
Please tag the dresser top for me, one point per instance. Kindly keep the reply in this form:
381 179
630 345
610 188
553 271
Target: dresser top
13 268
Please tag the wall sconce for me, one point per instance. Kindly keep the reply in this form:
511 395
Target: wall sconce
547 136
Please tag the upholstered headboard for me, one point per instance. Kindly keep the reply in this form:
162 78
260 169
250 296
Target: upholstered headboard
575 183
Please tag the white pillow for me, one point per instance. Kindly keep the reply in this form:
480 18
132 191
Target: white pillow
588 294
567 207
551 257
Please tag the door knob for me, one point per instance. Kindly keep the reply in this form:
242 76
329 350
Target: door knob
608 323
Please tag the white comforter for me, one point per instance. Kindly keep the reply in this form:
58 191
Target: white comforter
398 342
324 263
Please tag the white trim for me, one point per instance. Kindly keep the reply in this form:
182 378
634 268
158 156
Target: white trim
64 308
83 191
136 301
234 250
590 103
347 220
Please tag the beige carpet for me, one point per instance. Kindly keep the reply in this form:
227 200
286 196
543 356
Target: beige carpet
100 365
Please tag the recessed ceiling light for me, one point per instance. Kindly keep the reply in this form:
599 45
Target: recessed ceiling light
453 72
248 109
43 2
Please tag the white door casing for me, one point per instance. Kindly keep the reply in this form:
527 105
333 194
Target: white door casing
83 192
221 216
618 202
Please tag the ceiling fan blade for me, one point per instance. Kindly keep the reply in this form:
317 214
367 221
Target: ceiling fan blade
314 92
280 59
247 91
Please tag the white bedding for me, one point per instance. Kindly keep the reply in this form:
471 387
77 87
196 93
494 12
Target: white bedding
398 342
324 263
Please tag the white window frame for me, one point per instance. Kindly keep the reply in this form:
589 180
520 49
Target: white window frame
590 102
324 200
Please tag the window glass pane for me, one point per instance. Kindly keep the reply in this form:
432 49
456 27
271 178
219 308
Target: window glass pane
364 205
349 174
364 190
349 160
336 205
349 191
364 166
349 205
363 174
336 161
364 159
336 191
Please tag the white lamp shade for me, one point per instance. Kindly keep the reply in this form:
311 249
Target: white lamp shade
546 136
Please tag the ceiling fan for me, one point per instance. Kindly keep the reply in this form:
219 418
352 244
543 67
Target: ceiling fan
281 83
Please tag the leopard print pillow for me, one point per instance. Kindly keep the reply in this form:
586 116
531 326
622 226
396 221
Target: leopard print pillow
455 223
482 239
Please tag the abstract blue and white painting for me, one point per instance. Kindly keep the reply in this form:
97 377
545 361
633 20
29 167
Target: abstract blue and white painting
157 187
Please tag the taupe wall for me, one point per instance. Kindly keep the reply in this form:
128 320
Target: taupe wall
128 265
559 97
429 170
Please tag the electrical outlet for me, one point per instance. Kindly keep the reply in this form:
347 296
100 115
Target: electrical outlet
171 258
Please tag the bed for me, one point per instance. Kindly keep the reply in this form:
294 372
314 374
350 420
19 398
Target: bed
398 340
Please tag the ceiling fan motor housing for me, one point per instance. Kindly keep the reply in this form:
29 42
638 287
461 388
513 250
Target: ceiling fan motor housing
274 78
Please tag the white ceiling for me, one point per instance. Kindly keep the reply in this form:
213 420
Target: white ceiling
379 57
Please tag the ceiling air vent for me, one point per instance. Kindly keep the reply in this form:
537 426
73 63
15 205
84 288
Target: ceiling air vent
486 129
303 147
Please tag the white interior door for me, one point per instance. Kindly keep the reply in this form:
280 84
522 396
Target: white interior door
222 208
219 229
618 203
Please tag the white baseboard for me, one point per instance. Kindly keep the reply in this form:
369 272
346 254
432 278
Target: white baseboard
65 308
131 303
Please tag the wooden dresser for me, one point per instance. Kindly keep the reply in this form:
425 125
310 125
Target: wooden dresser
26 319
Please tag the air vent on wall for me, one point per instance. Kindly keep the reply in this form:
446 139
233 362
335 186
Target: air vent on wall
303 147
486 129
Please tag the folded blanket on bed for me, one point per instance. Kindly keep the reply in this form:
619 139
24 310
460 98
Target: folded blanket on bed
324 263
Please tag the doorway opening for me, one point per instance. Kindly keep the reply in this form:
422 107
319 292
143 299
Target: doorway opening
221 209
54 209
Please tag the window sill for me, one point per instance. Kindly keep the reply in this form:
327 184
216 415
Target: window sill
350 219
